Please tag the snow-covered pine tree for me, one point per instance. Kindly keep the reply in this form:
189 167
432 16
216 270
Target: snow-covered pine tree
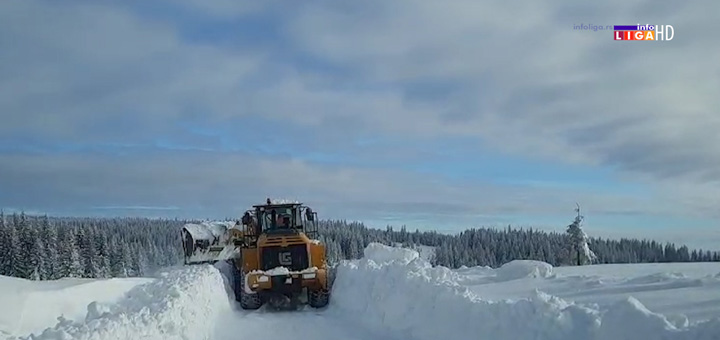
4 246
117 260
102 255
38 261
579 252
127 259
51 259
75 268
70 263
138 261
25 262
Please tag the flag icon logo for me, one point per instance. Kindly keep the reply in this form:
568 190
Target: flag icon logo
644 32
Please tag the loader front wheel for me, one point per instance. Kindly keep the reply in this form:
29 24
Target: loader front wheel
247 301
318 298
250 301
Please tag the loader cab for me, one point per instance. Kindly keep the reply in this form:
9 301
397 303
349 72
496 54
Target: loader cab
278 219
282 219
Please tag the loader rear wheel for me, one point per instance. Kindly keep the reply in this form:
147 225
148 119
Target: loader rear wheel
318 298
247 301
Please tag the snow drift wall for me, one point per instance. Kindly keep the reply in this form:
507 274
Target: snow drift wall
35 305
182 304
394 291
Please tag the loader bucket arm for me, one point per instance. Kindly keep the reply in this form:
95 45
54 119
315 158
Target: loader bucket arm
209 242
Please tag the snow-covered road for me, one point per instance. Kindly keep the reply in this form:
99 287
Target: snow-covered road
393 294
305 324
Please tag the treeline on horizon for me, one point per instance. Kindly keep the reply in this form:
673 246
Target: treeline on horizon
47 248
493 247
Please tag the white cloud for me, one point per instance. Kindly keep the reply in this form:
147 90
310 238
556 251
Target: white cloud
223 9
217 185
534 85
92 71
518 78
226 182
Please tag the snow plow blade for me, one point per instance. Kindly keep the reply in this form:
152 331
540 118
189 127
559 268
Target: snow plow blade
209 242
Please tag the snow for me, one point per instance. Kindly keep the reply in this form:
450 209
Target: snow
427 253
283 201
394 293
401 295
381 254
520 269
277 271
229 251
284 271
213 231
35 305
209 230
180 304
666 288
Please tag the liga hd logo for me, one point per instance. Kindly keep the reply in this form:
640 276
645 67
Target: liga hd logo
644 32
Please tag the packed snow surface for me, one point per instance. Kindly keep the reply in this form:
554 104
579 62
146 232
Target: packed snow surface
395 294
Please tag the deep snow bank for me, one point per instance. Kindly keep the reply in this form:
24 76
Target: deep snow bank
394 290
520 269
182 303
513 270
35 305
381 253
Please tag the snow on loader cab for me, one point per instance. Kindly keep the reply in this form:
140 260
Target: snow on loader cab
273 252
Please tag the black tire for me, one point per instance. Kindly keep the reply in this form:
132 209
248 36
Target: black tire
237 281
321 297
247 301
318 298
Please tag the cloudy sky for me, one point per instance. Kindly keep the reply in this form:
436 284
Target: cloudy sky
437 115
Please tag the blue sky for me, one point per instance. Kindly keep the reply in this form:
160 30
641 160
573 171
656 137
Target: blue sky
435 115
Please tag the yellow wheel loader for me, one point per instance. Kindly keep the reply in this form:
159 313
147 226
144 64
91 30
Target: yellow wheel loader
274 253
